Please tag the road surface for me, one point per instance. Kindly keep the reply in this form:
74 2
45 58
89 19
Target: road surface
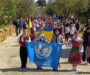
10 62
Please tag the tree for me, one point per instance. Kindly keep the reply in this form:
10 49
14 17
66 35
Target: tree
67 7
7 12
81 8
41 2
26 8
88 3
88 9
50 11
10 9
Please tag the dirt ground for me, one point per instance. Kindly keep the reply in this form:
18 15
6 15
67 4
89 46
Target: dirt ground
10 62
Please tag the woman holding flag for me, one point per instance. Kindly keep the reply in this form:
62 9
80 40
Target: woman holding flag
57 38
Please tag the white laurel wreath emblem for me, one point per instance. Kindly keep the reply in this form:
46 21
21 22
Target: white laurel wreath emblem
43 51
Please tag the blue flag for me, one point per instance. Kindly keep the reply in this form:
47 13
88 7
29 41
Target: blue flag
44 54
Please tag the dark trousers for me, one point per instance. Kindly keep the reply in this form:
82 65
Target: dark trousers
16 30
84 55
88 60
23 56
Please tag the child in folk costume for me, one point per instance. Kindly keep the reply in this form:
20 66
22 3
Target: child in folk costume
57 38
23 50
75 57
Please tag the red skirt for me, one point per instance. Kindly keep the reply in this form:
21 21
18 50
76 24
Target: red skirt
75 56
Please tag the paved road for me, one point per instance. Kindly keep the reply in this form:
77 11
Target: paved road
10 62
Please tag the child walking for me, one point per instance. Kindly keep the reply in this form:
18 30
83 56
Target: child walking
75 57
23 50
57 38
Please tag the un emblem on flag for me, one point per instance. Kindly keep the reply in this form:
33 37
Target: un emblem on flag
43 50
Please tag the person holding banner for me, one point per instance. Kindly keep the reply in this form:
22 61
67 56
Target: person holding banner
40 38
57 38
75 56
23 50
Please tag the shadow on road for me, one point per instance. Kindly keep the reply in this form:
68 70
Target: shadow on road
80 73
31 70
64 62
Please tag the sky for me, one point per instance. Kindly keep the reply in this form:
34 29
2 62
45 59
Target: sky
37 0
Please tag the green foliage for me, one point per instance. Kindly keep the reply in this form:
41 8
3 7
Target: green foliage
41 2
89 4
10 9
50 11
68 7
26 8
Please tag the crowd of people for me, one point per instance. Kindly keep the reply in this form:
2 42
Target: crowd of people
65 31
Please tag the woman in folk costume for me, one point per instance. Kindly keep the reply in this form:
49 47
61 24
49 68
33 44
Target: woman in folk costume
75 56
57 38
23 50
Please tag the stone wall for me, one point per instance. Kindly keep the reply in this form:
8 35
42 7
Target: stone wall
5 32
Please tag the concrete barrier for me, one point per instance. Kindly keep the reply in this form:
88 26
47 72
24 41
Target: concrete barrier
5 32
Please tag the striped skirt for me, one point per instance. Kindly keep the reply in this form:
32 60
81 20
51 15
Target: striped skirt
75 56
